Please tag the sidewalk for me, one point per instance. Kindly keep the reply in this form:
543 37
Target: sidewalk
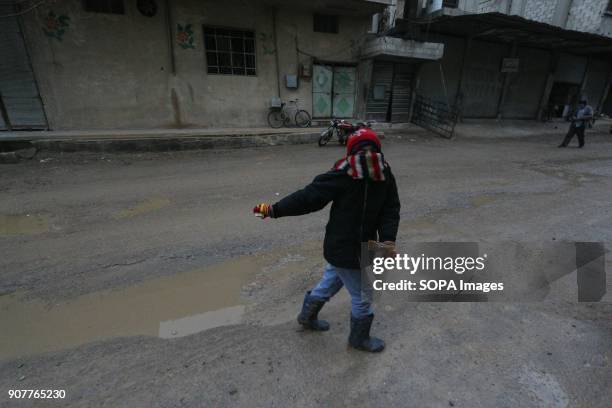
208 138
494 129
161 139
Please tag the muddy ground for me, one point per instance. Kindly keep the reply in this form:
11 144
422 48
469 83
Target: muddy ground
143 280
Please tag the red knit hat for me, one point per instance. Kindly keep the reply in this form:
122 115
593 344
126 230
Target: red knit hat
360 139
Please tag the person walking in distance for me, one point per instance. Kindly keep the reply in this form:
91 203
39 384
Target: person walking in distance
365 206
579 124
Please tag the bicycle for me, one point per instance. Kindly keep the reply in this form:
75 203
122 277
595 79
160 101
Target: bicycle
281 116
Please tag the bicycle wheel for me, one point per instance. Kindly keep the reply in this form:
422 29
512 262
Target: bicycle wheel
302 119
275 119
325 137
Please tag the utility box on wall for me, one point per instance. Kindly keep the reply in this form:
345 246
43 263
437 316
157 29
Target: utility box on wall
305 70
291 81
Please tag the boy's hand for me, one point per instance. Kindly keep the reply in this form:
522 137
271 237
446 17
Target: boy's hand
263 210
390 251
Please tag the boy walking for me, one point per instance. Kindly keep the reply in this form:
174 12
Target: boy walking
365 206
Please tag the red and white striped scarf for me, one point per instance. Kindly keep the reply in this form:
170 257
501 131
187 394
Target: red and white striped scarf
363 164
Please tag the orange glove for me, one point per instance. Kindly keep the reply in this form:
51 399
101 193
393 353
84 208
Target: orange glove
263 210
390 251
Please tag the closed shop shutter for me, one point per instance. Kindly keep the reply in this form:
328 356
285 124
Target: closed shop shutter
18 88
597 77
402 93
570 69
526 86
380 91
483 79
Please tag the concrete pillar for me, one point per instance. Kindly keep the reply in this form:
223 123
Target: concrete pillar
561 13
585 79
364 78
517 7
416 82
550 80
459 97
604 96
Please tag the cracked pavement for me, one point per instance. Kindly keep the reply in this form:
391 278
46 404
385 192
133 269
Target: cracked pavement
121 237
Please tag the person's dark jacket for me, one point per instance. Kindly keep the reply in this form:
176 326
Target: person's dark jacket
342 245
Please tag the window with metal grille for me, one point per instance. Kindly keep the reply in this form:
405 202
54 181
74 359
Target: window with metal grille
324 23
104 6
450 3
229 51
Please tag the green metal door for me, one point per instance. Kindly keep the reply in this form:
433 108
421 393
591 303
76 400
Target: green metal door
344 91
322 91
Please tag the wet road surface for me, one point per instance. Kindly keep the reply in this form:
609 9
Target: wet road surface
144 280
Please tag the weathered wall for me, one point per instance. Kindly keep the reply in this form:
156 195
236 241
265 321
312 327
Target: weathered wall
540 10
114 71
105 70
586 15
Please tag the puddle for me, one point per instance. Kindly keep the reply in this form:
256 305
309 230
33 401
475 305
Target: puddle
171 306
23 224
144 207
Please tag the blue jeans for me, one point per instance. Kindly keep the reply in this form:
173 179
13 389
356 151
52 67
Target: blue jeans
332 281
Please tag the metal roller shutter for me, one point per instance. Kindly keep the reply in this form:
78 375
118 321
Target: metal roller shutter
380 91
402 93
20 98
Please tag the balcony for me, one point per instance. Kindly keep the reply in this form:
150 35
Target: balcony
340 7
392 48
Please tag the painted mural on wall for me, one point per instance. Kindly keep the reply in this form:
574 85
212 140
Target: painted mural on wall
184 36
56 25
267 44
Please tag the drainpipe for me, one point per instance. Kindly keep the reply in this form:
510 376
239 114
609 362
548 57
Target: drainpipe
170 36
278 87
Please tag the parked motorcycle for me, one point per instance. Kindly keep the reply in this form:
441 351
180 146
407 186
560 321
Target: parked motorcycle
342 129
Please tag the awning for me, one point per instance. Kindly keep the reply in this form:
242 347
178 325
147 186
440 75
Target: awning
505 28
399 48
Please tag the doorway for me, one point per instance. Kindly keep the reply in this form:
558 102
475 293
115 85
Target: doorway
390 94
333 91
562 94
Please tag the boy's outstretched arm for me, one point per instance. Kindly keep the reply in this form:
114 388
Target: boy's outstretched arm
323 189
389 217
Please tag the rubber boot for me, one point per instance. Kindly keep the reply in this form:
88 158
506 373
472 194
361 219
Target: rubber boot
360 335
310 310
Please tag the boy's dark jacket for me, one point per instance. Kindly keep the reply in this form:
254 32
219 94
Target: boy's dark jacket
342 241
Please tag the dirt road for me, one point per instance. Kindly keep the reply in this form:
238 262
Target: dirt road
145 281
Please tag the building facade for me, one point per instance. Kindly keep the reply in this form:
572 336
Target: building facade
520 59
112 64
594 16
77 64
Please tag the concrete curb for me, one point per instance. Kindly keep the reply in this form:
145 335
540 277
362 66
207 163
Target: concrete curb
157 144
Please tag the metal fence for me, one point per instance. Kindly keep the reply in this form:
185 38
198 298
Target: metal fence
435 116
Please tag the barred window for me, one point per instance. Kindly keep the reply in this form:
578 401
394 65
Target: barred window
104 6
451 3
229 51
